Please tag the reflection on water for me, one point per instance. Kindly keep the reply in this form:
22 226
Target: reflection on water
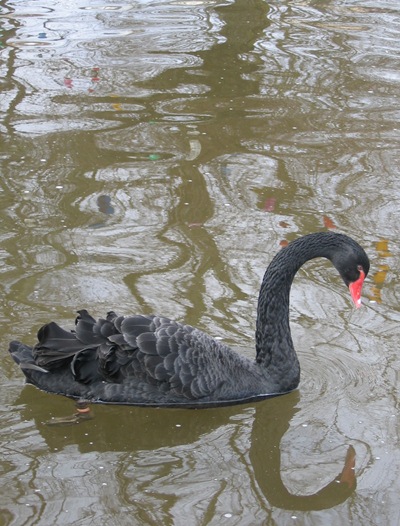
154 156
379 277
205 457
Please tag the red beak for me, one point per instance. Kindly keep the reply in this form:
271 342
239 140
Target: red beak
355 289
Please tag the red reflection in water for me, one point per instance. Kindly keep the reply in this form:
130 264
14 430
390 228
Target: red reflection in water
328 223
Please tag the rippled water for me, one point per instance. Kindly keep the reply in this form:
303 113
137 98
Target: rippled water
154 156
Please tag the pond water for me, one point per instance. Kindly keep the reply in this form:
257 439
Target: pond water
154 156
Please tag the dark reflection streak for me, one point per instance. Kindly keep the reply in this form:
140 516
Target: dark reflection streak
245 21
10 80
31 472
211 509
190 211
181 215
132 278
201 209
227 77
155 429
39 510
196 213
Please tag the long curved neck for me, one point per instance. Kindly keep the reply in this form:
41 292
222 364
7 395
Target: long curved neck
274 344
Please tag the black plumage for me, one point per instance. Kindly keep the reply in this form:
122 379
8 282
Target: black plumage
152 360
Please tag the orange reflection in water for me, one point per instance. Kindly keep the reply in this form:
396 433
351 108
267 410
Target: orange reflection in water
382 248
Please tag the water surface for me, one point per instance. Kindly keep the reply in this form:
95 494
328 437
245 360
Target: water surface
154 156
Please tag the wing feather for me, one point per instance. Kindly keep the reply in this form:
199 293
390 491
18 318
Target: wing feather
167 356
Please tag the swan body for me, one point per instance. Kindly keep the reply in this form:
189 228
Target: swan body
152 360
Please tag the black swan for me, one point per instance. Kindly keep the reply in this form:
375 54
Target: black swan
154 361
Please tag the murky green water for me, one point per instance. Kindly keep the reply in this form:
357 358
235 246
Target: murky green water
154 156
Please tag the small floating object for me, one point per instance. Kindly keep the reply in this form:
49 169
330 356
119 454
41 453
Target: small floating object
328 222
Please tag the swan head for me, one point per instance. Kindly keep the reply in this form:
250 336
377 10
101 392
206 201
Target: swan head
352 264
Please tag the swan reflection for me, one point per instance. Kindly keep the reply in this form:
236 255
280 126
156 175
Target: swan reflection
158 459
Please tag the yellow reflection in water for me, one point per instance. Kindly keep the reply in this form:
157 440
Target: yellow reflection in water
379 277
